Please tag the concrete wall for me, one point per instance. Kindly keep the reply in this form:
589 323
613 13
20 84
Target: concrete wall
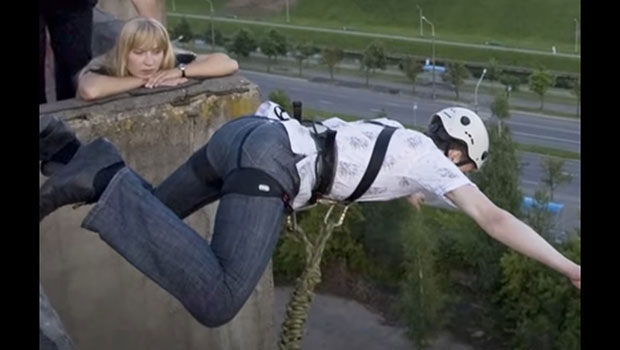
105 302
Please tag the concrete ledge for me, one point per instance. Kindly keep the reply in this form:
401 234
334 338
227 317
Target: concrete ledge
104 302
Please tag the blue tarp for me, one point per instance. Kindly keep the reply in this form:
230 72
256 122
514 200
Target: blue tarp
552 207
429 68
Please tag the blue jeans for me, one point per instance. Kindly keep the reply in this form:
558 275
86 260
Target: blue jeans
212 280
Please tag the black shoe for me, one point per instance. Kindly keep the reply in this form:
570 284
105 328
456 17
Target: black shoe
57 144
83 179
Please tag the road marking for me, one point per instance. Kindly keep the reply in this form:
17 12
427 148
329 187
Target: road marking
546 137
577 132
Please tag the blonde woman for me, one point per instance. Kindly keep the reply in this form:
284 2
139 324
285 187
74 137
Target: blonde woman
143 57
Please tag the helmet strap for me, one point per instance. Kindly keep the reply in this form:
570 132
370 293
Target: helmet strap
463 162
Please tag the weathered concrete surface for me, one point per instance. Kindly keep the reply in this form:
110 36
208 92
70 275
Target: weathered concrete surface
104 302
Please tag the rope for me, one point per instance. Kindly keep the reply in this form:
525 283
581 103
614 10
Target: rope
297 308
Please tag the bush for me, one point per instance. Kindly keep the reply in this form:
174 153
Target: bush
182 29
280 97
423 298
541 308
510 80
289 258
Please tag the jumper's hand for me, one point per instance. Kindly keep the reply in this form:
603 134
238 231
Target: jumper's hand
416 199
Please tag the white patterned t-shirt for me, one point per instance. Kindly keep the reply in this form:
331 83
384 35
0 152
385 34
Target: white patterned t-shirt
412 164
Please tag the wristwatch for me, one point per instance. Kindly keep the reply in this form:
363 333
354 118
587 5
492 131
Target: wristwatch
182 67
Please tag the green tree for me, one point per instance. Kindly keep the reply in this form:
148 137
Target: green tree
386 249
183 30
541 308
343 248
499 180
423 290
538 217
243 43
301 52
456 75
269 48
374 58
220 39
331 56
499 177
493 70
412 68
540 82
281 45
501 109
510 81
554 174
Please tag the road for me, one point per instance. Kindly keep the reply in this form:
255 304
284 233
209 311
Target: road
376 35
561 133
545 131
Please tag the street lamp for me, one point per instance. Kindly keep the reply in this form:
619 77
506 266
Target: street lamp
484 71
433 34
421 26
415 118
576 33
212 33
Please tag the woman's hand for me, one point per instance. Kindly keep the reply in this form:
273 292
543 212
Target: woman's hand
173 82
164 78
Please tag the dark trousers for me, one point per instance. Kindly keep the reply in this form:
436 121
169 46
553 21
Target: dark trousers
70 36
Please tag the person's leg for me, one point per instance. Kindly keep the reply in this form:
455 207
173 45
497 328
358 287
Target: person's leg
190 187
42 46
71 36
57 143
197 182
212 281
83 179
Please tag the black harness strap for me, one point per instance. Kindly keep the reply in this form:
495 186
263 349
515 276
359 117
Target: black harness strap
374 165
325 163
254 182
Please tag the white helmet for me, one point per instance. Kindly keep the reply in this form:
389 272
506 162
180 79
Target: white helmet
465 125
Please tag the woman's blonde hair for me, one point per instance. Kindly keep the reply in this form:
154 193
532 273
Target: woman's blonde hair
140 33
